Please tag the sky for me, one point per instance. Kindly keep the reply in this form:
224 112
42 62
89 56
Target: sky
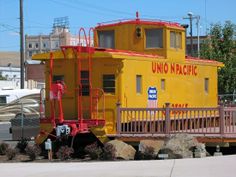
39 14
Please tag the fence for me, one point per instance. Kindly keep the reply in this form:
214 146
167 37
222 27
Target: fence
162 121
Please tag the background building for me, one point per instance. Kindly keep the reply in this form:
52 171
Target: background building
10 72
34 44
10 69
195 41
34 70
59 36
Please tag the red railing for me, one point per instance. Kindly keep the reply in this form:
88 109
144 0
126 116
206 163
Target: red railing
98 104
162 121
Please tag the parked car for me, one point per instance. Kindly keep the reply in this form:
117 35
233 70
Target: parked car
26 106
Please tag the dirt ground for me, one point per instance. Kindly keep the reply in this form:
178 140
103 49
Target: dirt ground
18 158
24 158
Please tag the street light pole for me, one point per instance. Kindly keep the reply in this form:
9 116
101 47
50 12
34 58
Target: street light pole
22 56
198 39
191 17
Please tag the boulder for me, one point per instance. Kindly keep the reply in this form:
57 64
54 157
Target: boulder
123 150
183 145
155 144
171 154
200 151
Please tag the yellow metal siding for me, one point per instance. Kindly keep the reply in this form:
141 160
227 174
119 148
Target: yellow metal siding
181 90
108 66
69 102
125 39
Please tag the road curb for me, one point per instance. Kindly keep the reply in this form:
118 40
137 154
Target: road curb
1 123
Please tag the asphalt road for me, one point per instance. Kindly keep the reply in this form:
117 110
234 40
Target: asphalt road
4 131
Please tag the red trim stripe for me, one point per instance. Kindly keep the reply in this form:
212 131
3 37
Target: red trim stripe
140 22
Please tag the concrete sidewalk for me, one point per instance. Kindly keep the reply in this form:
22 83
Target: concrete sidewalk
223 166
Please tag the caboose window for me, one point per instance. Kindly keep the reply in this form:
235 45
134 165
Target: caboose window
109 83
154 38
3 100
163 84
85 83
58 78
106 39
206 85
138 84
175 39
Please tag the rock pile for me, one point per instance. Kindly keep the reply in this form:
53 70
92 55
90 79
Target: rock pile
183 146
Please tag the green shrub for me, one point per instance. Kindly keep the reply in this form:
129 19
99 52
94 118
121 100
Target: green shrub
94 151
33 151
109 152
11 153
3 148
22 144
148 154
64 153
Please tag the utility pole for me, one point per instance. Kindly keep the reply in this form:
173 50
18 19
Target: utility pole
191 17
198 39
22 54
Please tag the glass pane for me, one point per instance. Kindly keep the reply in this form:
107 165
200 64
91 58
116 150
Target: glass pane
109 83
178 40
109 77
3 100
206 85
154 38
85 83
106 39
172 39
58 78
163 84
138 84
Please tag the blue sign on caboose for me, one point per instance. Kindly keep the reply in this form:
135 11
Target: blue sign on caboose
152 93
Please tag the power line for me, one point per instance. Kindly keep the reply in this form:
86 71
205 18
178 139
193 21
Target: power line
8 28
88 7
114 11
10 46
87 10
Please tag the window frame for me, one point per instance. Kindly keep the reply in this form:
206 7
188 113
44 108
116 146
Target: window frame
160 44
139 84
36 45
163 84
177 40
30 45
106 32
3 99
111 81
56 78
45 45
30 53
206 84
84 80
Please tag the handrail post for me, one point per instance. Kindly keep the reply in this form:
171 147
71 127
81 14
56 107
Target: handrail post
222 119
118 124
167 118
22 122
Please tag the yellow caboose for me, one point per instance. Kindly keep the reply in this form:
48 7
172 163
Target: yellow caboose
137 63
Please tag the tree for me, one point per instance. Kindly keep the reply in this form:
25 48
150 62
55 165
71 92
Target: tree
2 77
221 46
